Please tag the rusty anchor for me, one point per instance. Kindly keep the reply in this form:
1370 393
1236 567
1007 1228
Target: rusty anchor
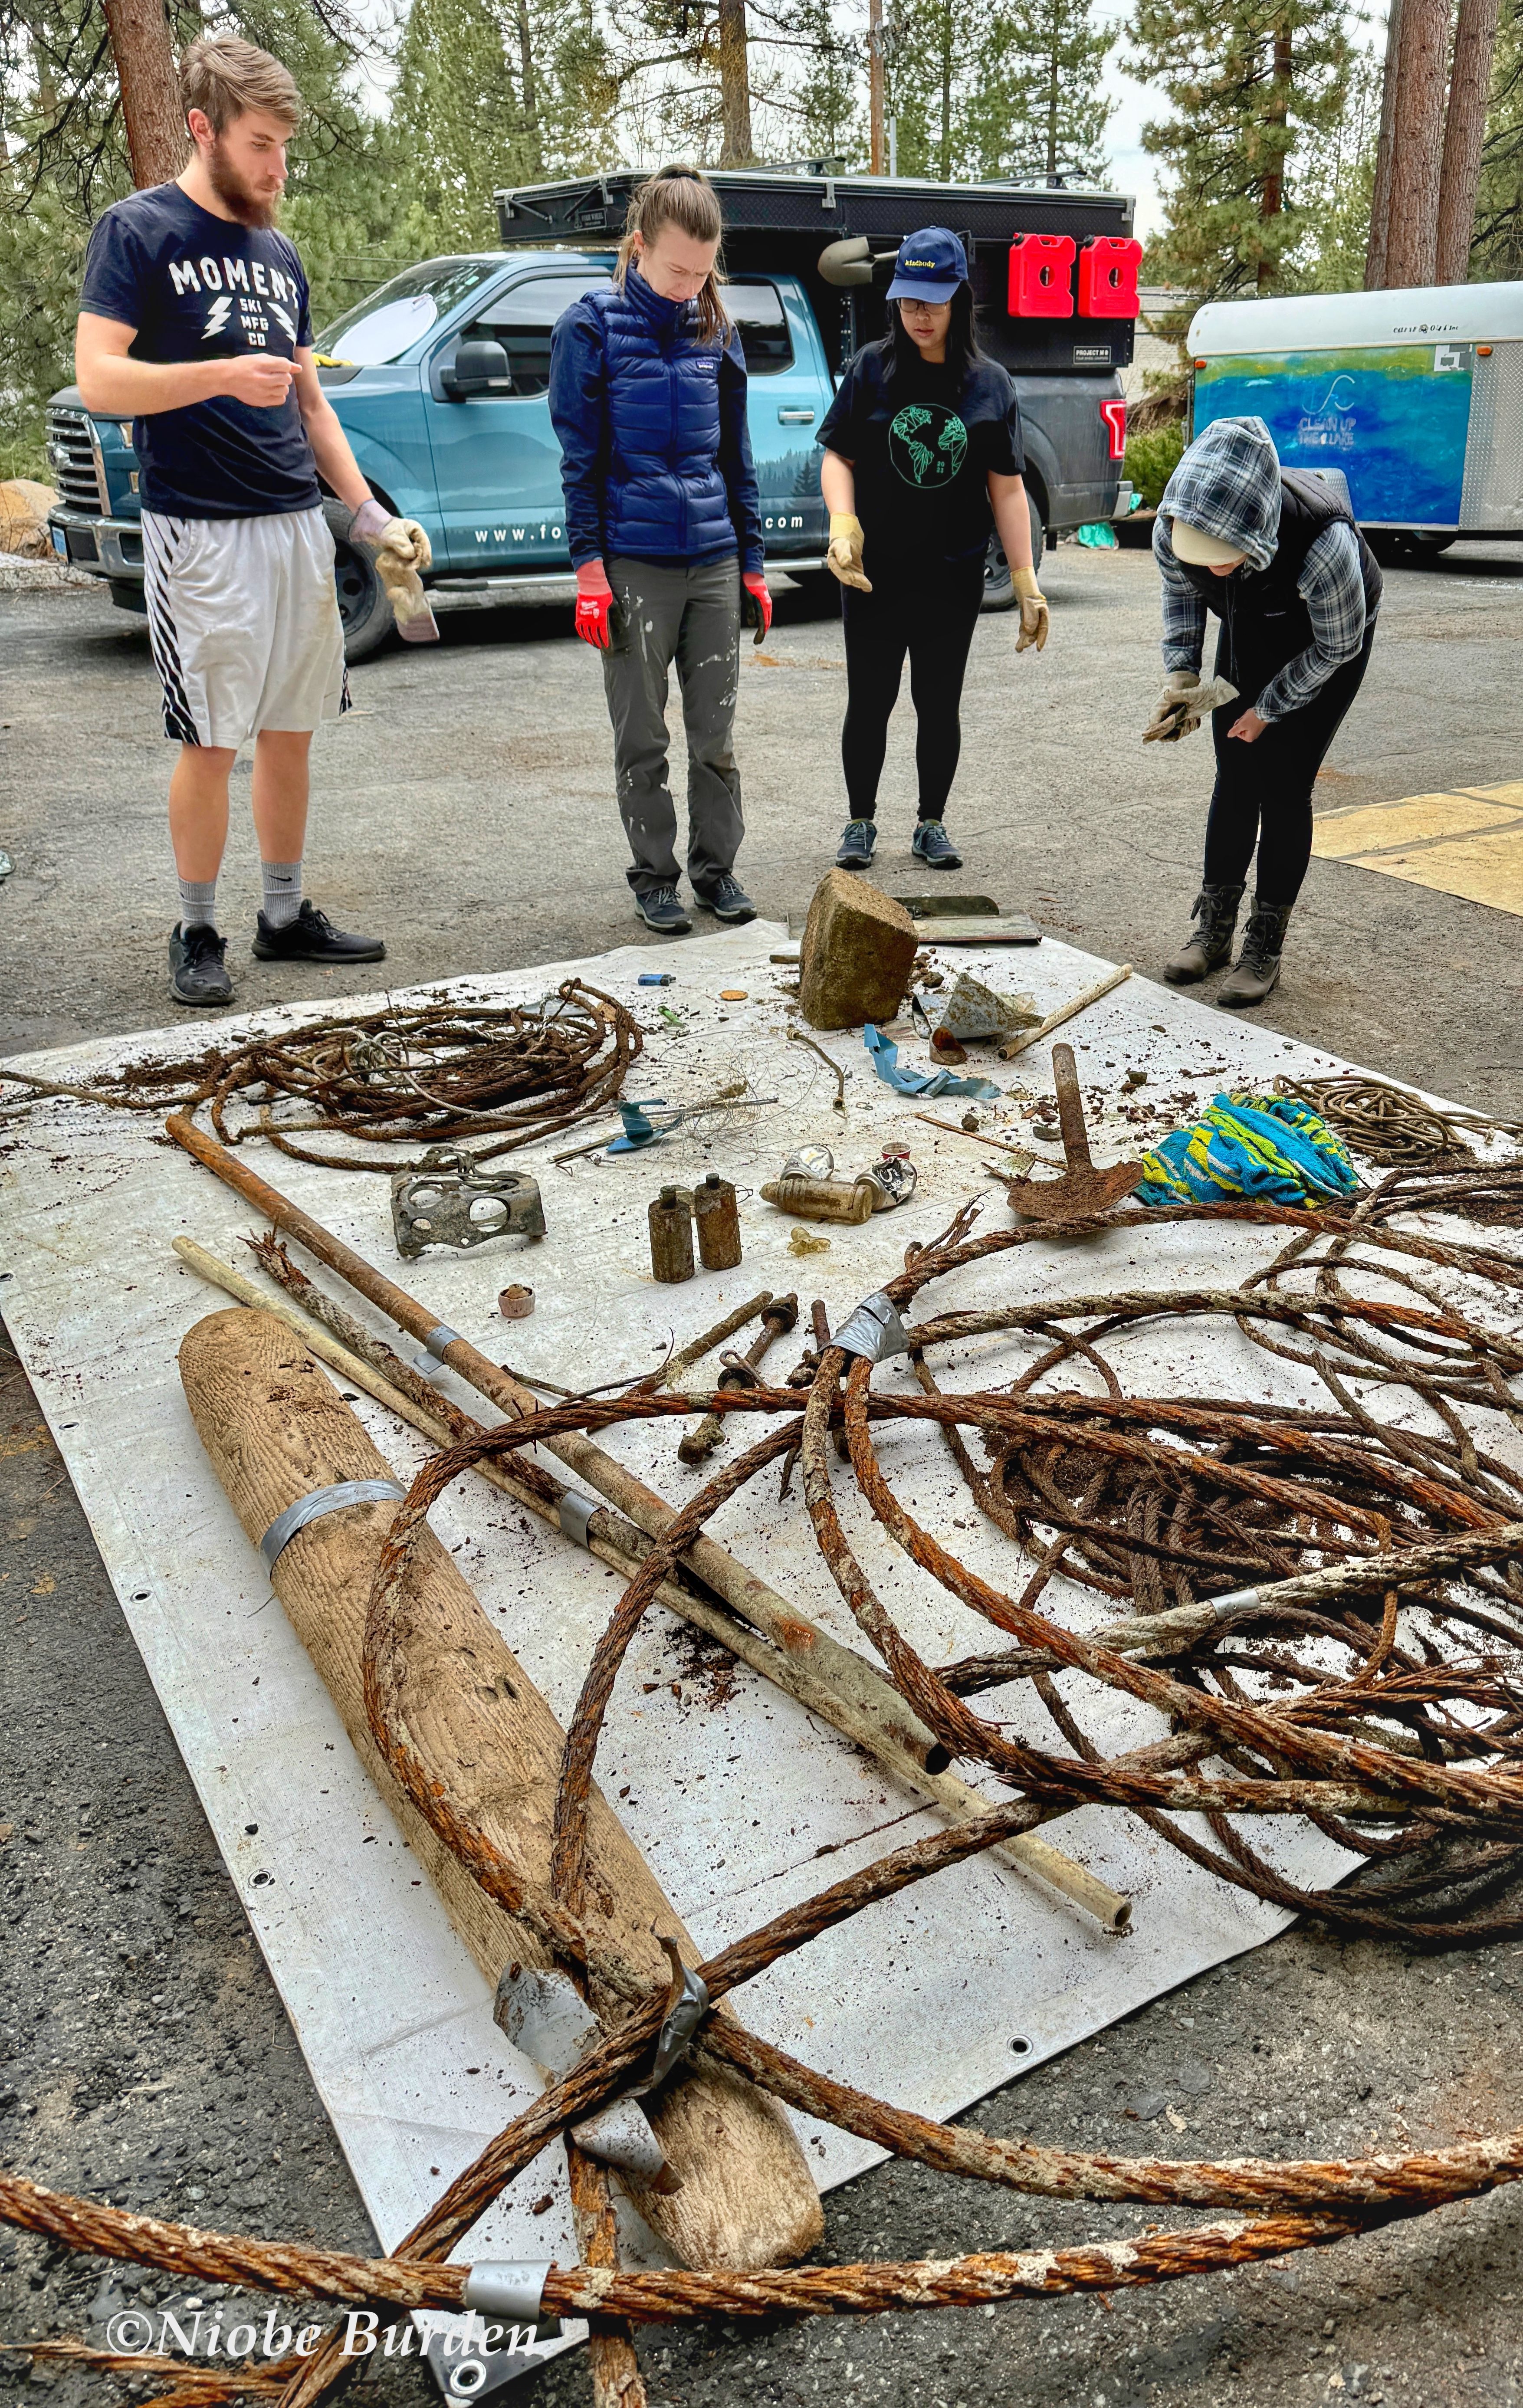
1080 1191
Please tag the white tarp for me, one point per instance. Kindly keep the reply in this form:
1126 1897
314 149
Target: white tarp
741 1801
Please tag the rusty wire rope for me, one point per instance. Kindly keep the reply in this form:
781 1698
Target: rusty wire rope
499 1075
1321 1600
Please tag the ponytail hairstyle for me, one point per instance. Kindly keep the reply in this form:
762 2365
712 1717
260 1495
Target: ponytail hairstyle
682 197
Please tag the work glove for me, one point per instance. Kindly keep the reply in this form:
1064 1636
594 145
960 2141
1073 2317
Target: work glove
756 610
400 539
1183 705
595 606
845 557
401 549
1035 616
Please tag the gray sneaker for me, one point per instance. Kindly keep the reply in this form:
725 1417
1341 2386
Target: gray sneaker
932 845
660 909
728 901
198 974
857 839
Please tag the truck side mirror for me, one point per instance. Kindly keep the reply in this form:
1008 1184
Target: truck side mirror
479 367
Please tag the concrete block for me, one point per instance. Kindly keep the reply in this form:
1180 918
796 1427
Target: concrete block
854 964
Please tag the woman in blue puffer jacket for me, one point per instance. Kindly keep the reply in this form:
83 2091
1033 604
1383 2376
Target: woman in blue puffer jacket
648 395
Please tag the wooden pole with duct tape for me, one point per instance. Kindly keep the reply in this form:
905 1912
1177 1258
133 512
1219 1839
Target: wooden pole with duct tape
276 1432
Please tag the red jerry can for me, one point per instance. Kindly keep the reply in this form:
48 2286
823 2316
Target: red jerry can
1108 268
1040 276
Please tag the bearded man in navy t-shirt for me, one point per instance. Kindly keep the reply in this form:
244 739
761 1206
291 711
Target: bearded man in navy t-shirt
195 319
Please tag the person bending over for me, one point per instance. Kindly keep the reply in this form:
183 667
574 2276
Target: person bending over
648 396
923 460
1276 557
193 319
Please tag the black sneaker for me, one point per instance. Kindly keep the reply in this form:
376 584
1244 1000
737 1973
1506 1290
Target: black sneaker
311 936
660 909
728 901
932 845
198 974
857 839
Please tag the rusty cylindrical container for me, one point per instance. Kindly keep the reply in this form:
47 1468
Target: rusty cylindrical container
671 1234
718 1218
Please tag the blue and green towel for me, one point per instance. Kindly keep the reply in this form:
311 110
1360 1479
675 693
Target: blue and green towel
1273 1148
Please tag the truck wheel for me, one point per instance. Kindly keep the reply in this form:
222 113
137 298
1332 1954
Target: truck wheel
363 607
999 587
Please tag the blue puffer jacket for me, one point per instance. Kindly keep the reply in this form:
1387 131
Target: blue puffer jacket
655 456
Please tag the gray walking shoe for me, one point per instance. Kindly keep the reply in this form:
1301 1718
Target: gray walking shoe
197 973
931 844
857 839
660 909
1256 973
1215 912
728 901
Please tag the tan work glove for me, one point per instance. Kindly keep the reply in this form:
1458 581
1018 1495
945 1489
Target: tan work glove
845 557
403 540
401 549
1183 705
1035 616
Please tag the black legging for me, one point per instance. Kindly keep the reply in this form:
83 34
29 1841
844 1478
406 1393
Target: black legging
930 613
1263 790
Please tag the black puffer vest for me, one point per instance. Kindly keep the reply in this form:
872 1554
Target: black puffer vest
1264 620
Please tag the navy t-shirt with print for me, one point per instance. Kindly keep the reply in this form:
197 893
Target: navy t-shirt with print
199 287
921 443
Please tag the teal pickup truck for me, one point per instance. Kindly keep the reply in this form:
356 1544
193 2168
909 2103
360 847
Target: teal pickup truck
439 379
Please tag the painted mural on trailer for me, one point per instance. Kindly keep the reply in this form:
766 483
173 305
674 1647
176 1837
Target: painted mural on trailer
1394 421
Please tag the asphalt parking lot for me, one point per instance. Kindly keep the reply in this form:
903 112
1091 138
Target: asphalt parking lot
463 810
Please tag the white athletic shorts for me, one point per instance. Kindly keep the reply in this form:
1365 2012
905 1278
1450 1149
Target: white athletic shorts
243 620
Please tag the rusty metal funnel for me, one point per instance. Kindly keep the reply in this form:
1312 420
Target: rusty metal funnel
1080 1190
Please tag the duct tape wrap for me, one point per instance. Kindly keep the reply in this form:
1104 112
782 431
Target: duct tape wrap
1234 1599
319 1501
510 2291
682 2020
439 1337
574 1513
874 1330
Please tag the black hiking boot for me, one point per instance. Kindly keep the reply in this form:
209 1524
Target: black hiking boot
197 973
1215 913
311 936
660 909
1258 971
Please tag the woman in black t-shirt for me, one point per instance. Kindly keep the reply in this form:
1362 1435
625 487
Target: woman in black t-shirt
923 461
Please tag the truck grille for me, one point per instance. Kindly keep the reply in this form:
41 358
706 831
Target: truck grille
72 454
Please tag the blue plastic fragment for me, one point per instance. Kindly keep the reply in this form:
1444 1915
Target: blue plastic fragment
885 1061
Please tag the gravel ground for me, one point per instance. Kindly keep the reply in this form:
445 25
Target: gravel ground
464 811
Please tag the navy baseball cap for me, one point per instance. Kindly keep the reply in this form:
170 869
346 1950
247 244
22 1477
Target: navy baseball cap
931 266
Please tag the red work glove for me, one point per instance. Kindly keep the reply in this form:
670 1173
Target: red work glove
594 600
761 617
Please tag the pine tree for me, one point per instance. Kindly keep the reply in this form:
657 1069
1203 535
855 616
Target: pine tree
1498 249
1044 113
1248 80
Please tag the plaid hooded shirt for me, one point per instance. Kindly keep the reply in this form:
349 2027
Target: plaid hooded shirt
1228 485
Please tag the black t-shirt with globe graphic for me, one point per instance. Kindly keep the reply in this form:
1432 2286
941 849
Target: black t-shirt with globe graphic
921 444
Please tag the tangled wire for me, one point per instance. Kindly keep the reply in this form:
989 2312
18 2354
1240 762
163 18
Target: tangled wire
1322 1601
511 1073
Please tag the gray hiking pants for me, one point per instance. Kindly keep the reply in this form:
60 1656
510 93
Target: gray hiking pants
690 614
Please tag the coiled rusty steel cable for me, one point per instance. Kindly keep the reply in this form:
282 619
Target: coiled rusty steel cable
425 1074
1323 1602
